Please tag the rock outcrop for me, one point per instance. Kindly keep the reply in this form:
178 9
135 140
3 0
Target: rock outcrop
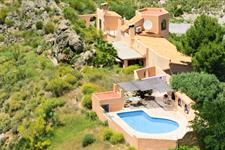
65 43
84 59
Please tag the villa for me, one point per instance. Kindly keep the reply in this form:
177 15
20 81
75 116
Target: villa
142 39
149 114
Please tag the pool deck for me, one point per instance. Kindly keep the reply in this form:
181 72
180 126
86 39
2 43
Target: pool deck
157 113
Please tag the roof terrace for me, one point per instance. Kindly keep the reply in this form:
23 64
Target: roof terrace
152 11
107 95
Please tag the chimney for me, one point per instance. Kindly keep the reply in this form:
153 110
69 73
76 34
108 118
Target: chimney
104 6
132 34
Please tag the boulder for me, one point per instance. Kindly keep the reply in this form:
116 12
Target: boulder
67 43
84 59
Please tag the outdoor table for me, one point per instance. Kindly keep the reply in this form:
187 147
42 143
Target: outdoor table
134 99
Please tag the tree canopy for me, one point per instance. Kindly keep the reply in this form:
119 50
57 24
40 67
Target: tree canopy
185 148
105 55
205 30
211 58
199 86
204 41
209 95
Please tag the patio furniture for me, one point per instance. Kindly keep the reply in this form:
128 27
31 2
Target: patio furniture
134 100
149 98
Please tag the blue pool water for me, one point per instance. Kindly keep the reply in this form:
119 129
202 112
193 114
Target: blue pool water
142 122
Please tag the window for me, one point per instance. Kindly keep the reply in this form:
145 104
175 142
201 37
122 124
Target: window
179 102
106 107
93 18
163 25
173 96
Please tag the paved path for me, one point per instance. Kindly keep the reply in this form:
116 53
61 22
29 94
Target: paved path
181 28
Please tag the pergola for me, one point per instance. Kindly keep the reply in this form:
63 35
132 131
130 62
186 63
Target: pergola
156 84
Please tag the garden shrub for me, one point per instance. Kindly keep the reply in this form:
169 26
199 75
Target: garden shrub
91 115
117 138
88 139
105 123
107 134
49 27
86 101
130 69
89 88
39 25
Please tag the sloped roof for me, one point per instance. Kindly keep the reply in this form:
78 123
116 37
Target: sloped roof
125 52
164 48
132 21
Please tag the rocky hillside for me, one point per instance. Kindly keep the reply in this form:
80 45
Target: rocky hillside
31 21
42 46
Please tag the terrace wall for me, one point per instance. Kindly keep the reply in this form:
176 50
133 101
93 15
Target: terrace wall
87 18
151 72
143 143
116 103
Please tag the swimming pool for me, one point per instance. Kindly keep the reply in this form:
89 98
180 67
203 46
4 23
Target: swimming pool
142 122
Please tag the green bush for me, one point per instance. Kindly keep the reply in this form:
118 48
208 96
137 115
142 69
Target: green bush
49 27
105 54
86 101
71 79
130 69
82 6
70 14
3 13
117 138
39 25
91 115
107 134
89 88
57 86
57 1
4 122
185 148
88 139
131 148
9 22
1 38
105 123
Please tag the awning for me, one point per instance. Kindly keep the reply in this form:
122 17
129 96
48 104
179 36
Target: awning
125 52
128 86
147 84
